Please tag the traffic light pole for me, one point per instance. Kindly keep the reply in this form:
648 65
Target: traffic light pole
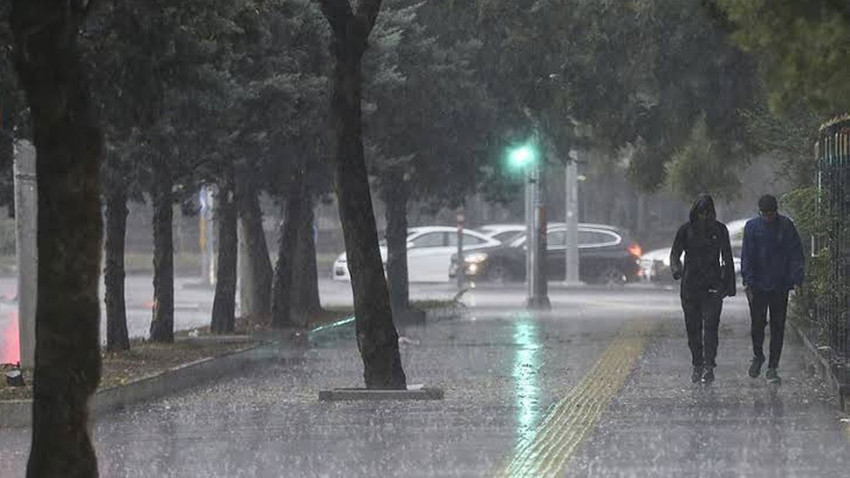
538 297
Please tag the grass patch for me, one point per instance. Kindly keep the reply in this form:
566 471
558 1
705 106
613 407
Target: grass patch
255 324
456 301
142 360
185 263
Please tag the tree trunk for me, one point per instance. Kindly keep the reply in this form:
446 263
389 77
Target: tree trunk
377 338
305 280
224 303
69 145
396 197
287 242
260 265
117 337
162 325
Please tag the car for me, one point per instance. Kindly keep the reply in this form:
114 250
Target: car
606 255
655 264
502 232
429 252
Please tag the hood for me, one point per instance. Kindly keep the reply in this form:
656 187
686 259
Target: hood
703 203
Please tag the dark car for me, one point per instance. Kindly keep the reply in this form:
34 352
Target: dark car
606 256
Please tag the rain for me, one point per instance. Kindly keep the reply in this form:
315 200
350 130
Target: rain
524 238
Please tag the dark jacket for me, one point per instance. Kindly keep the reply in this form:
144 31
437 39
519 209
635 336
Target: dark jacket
772 255
704 240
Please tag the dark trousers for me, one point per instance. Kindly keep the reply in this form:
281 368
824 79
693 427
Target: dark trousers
702 319
760 303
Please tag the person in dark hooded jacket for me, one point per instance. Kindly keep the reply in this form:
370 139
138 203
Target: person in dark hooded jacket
708 275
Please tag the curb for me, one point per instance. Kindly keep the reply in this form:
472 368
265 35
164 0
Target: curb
445 313
17 413
360 394
825 371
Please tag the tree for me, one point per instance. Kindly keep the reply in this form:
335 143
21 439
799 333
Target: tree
802 47
115 186
637 74
14 120
163 83
429 119
698 167
224 302
259 264
377 338
278 73
69 144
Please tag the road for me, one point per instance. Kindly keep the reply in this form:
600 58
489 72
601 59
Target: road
599 386
193 305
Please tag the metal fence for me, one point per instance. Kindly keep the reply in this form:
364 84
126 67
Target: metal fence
830 324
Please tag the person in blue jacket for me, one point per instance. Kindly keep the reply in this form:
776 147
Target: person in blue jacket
771 265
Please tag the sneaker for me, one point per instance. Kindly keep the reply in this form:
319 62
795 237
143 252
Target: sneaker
755 366
708 375
696 376
772 376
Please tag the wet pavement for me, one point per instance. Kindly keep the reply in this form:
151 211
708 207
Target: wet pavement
600 386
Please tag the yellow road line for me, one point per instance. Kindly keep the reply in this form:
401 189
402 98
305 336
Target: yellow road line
572 419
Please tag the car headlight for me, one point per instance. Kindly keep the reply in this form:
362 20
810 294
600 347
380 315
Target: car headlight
475 258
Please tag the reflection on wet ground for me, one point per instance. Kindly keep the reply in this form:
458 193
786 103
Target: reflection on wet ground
10 345
505 374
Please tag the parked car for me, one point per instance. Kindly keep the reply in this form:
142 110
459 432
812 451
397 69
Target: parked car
655 264
606 255
506 233
503 233
429 252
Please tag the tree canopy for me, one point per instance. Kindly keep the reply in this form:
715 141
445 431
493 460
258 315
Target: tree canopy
803 47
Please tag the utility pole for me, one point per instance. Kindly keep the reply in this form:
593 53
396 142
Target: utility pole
206 236
460 270
571 219
26 214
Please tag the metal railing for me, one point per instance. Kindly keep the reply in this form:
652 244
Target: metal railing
829 327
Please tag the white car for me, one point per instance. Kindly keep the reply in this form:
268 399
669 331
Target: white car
429 253
503 233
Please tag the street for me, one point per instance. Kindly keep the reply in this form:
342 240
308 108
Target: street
192 305
599 386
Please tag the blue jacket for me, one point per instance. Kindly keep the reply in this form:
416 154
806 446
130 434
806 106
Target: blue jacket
772 255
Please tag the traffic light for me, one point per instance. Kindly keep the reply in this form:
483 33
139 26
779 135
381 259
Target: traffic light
522 156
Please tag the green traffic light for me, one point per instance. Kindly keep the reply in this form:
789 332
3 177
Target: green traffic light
522 156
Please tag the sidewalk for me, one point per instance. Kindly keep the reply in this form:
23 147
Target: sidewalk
659 425
599 390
